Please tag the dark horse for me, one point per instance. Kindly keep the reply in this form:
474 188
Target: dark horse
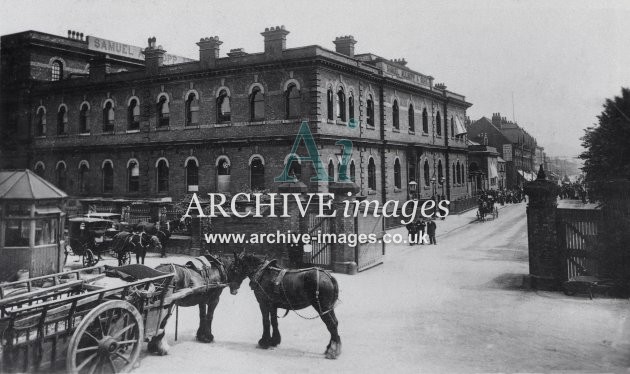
125 242
208 283
161 231
276 287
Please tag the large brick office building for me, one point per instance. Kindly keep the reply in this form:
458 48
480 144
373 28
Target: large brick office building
104 120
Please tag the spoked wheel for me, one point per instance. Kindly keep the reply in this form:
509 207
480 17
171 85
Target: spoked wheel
108 340
88 258
124 258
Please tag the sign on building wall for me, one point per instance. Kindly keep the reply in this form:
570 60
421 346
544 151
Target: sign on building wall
126 50
507 152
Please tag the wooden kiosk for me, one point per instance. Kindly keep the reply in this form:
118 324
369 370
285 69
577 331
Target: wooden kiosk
32 214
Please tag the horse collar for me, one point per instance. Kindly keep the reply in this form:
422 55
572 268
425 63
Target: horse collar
260 270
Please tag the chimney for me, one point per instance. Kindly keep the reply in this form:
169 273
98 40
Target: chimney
99 67
209 51
237 52
496 120
153 57
275 41
345 45
440 86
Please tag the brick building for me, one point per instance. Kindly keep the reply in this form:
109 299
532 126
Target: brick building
108 121
514 145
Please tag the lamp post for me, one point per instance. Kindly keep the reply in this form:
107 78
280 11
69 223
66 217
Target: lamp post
434 198
412 190
442 180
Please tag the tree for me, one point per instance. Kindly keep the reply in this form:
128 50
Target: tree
607 144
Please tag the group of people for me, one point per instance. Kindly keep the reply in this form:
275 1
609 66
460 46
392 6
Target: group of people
503 196
418 228
575 191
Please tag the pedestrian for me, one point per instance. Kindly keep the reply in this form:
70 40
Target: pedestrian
431 226
412 232
296 254
422 226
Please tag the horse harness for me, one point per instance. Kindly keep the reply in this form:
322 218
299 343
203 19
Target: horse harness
203 266
279 286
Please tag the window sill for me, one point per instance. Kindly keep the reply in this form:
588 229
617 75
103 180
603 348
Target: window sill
425 134
341 123
132 131
40 137
223 124
330 121
411 132
395 130
62 135
396 189
107 133
163 128
192 188
256 122
371 192
368 127
84 134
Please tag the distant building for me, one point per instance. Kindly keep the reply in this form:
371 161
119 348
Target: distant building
513 144
483 166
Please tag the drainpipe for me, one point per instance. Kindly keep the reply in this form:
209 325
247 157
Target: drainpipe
383 142
446 135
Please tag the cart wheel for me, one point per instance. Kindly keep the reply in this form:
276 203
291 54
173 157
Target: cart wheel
108 339
88 258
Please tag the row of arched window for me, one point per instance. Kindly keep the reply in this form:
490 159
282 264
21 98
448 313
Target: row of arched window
458 173
162 169
223 115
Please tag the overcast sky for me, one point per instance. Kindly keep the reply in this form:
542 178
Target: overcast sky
558 59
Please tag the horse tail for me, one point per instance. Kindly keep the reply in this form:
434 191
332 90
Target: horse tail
333 280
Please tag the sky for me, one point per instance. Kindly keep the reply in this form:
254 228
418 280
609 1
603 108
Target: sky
549 65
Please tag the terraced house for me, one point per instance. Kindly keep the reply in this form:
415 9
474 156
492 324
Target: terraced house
108 121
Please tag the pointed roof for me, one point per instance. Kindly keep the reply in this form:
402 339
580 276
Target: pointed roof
26 185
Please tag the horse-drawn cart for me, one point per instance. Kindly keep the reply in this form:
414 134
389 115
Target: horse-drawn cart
487 207
67 320
89 238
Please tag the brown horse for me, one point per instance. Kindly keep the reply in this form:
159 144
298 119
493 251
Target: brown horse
275 287
125 242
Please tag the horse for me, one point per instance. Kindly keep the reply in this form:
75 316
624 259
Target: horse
125 242
290 289
213 275
162 232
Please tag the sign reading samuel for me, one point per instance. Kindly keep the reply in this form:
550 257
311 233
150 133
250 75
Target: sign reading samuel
126 50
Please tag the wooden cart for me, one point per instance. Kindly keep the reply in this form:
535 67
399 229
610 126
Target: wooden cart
65 321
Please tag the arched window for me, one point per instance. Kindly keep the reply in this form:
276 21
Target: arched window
331 170
108 117
341 105
62 121
371 174
84 119
293 101
83 178
133 115
257 174
39 169
56 71
370 111
163 112
427 173
397 174
192 175
452 127
440 172
257 104
455 174
133 176
412 120
223 107
162 176
438 124
460 173
108 177
329 104
41 122
353 171
425 121
223 175
351 116
61 175
395 115
295 169
192 109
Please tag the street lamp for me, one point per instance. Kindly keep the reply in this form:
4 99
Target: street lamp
412 190
434 198
442 183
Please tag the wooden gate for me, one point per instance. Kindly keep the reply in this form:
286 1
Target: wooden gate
578 231
321 250
369 254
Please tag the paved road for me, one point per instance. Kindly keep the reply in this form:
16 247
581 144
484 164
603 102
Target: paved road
459 306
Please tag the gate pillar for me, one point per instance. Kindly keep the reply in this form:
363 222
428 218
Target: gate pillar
545 256
343 255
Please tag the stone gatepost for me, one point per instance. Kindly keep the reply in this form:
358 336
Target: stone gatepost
296 223
196 236
615 234
545 257
343 255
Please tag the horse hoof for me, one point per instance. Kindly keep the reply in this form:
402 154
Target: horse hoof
205 338
264 344
275 341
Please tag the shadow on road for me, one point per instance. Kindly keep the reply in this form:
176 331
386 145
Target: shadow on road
510 282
